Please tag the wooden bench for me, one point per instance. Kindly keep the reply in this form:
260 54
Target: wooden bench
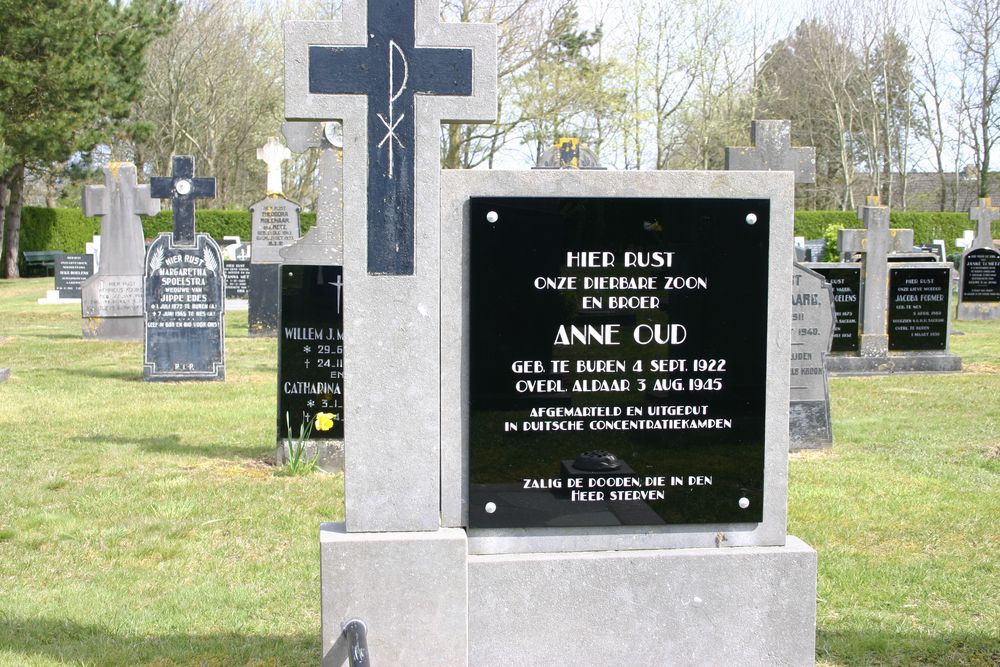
44 260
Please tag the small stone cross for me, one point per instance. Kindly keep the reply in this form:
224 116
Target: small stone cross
395 62
118 201
182 188
772 151
875 241
984 215
273 153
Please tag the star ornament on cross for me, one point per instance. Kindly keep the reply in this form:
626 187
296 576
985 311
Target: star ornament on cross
392 72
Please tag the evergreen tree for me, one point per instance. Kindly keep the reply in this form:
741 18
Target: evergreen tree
70 71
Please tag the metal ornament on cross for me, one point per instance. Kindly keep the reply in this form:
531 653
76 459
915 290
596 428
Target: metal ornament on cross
182 189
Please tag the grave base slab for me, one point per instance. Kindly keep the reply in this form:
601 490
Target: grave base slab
810 426
408 588
894 363
114 328
972 310
425 601
4 374
52 298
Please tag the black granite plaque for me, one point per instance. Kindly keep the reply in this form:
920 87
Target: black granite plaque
71 271
311 348
980 275
846 283
184 306
630 326
237 279
918 308
896 258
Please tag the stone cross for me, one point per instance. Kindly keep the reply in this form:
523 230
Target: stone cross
323 244
118 202
182 188
984 215
406 53
875 242
273 153
772 151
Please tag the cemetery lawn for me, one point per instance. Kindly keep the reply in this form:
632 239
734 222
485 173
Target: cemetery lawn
142 524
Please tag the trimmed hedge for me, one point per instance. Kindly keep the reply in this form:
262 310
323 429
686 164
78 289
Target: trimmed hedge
68 230
214 223
65 229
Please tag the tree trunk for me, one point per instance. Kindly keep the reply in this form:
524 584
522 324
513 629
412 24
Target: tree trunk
12 232
3 208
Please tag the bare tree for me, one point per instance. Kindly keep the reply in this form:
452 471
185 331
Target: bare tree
976 27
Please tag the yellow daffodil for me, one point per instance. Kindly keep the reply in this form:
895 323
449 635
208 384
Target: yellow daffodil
324 421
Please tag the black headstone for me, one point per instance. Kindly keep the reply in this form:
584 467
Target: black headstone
71 271
981 275
617 361
918 308
184 305
237 279
846 283
311 348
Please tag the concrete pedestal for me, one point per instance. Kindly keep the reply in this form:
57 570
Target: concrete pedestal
329 454
908 362
978 310
114 328
426 601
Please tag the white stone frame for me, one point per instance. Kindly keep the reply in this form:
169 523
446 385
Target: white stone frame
456 189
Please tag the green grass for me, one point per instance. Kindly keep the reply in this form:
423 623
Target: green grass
139 522
140 525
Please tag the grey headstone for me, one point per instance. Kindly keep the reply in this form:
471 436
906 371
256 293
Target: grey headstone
391 324
874 242
274 226
984 214
772 151
112 297
815 248
184 298
812 335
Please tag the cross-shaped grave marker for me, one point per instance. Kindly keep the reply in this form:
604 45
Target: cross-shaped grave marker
772 151
875 242
273 154
984 215
111 299
406 53
182 189
118 202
